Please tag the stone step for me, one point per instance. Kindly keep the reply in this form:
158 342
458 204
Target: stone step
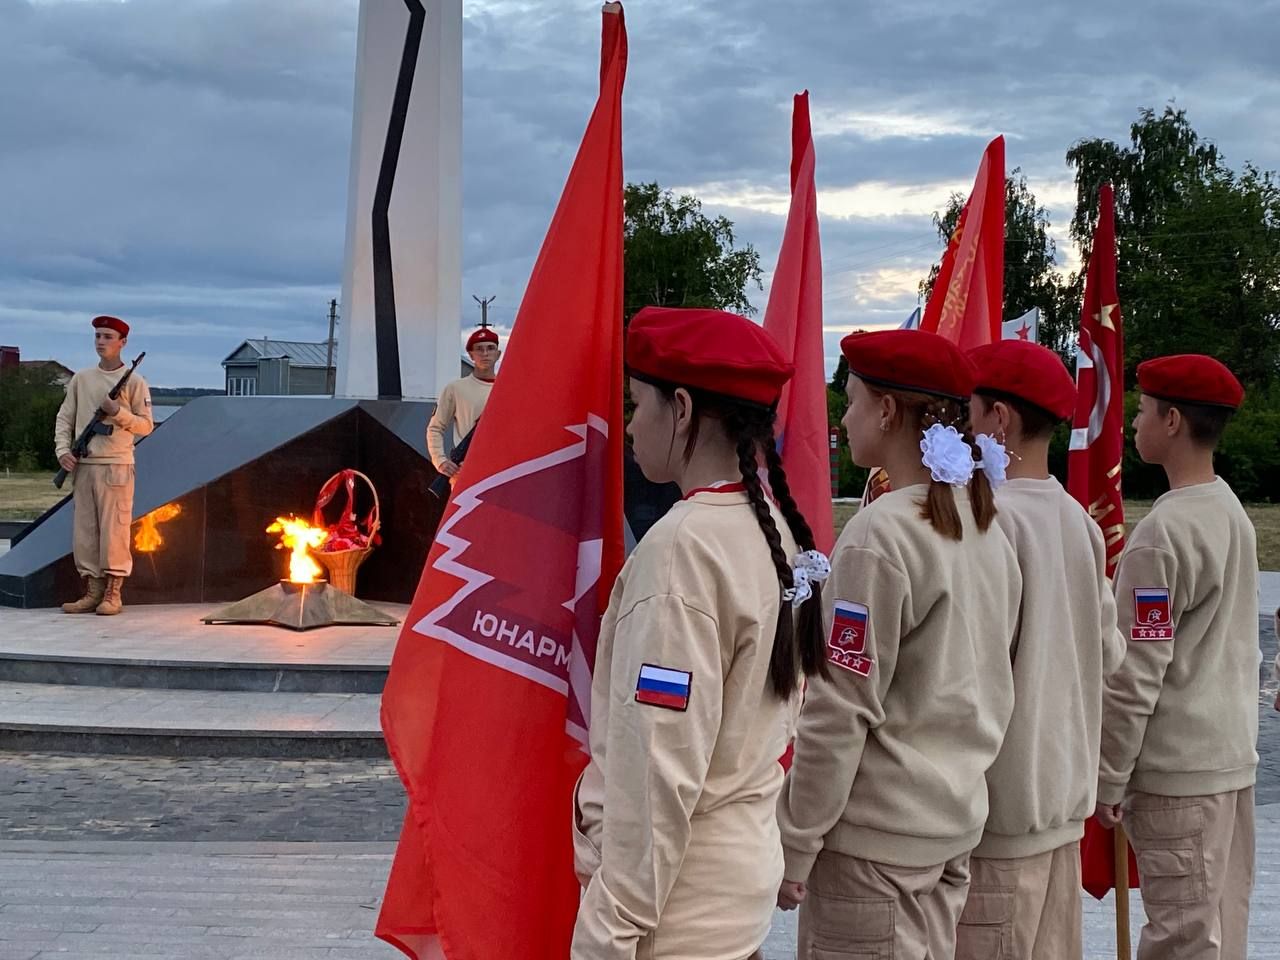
190 674
92 719
169 647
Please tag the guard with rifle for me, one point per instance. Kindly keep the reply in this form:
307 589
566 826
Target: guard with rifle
106 409
462 401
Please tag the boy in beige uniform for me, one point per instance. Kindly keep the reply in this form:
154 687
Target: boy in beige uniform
1024 898
462 401
102 481
887 795
1180 720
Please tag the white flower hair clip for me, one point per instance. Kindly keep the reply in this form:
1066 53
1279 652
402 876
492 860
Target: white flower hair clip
995 460
948 457
807 568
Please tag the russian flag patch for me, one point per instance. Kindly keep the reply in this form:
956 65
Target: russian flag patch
662 687
846 647
1152 614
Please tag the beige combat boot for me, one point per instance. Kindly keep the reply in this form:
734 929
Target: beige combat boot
111 603
94 588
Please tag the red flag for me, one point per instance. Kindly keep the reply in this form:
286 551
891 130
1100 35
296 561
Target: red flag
1093 463
794 317
968 296
1097 430
486 706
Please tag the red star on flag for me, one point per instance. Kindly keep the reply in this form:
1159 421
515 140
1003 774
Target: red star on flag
1023 331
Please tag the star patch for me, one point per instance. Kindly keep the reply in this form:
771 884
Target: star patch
848 641
663 687
1152 614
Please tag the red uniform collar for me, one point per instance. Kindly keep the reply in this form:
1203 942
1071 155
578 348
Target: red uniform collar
728 487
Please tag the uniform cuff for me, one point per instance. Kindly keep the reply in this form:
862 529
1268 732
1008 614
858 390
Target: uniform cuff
1111 793
797 864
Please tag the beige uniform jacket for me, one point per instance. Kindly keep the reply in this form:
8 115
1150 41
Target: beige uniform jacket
1042 785
1180 716
675 836
460 405
891 755
85 393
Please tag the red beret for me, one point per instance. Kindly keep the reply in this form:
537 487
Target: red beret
112 323
910 360
1191 378
707 350
1027 371
483 335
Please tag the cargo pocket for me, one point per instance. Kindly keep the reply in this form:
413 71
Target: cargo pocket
858 928
1168 840
985 931
1171 876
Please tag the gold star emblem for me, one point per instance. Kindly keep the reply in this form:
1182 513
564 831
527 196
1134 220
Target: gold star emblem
1104 316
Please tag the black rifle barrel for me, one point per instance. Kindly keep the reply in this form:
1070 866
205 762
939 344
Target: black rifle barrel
440 485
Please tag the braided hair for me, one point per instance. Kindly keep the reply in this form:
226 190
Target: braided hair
798 642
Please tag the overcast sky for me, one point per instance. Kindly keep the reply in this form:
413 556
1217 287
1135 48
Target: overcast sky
183 163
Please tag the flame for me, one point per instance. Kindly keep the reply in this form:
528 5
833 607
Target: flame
148 538
299 536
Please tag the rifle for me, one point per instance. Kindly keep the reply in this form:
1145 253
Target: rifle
95 427
440 486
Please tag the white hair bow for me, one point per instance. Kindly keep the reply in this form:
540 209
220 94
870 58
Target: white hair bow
807 568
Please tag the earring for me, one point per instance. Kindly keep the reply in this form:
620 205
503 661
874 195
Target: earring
884 427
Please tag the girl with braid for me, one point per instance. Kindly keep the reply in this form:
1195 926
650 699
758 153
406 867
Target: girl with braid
712 625
887 793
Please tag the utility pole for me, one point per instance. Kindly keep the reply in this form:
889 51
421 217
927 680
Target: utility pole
484 309
328 360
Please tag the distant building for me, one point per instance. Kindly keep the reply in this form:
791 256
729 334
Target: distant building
279 368
56 374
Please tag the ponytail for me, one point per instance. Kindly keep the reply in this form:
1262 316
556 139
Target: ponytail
939 505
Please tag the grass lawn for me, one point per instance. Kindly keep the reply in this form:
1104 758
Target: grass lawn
24 496
1265 517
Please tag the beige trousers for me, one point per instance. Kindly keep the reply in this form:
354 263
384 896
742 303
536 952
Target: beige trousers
103 499
1026 908
859 910
1195 859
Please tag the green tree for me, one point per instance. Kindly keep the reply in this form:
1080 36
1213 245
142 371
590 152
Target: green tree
1198 245
28 407
677 256
851 478
1030 257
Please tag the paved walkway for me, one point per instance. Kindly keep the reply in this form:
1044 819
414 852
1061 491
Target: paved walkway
298 901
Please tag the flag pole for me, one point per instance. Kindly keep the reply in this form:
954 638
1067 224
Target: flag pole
1123 942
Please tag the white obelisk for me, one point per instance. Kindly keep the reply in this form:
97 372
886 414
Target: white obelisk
401 285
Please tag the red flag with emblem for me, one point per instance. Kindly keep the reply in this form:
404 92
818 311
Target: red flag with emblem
794 317
1097 429
968 296
1093 464
486 706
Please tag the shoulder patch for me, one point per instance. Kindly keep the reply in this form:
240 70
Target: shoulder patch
663 687
846 647
1152 614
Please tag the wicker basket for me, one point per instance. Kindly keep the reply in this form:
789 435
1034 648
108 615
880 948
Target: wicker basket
343 564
